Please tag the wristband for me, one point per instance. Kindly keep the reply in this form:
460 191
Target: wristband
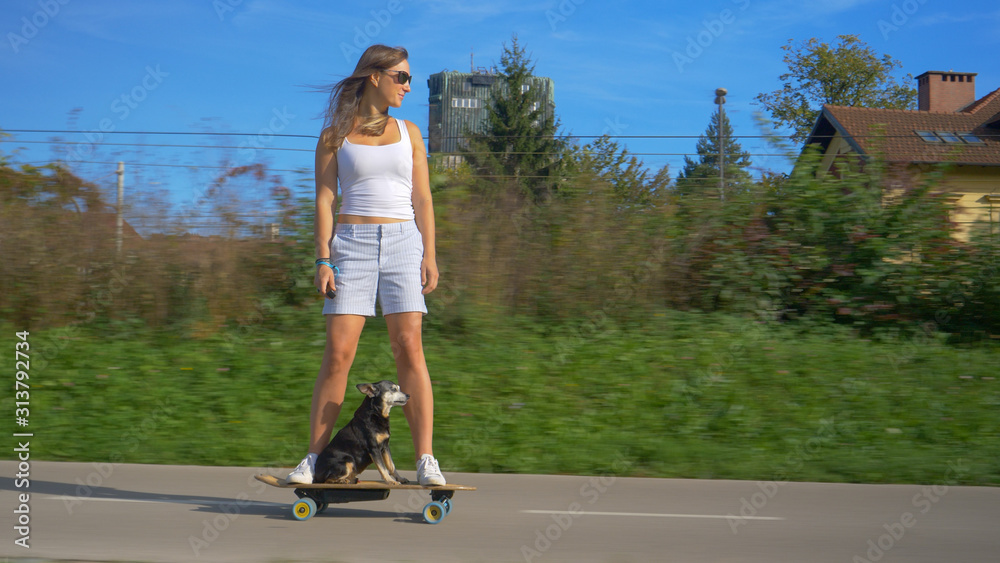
335 269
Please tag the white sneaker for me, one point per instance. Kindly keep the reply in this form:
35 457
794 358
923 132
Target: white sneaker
428 471
303 472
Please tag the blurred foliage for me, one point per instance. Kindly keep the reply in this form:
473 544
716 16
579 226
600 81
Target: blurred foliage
738 328
574 288
671 394
612 241
838 249
835 249
61 266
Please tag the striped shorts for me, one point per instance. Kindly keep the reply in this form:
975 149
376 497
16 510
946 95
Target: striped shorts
379 261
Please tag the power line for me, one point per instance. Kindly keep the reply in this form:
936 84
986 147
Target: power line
154 145
160 145
566 136
303 170
155 133
308 171
167 146
189 166
628 153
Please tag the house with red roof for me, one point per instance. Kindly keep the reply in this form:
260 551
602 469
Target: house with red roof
949 127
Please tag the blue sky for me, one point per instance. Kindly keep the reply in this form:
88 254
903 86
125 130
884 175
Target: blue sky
629 67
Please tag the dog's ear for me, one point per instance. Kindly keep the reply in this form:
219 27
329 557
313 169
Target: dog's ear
367 389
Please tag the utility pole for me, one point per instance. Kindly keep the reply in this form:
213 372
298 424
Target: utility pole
720 98
121 201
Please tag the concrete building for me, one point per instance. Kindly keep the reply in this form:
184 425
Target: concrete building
459 101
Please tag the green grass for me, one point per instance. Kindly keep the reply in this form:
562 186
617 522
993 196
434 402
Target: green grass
679 395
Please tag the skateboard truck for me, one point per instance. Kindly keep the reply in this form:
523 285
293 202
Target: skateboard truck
315 498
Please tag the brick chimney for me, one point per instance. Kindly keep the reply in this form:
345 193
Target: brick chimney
945 91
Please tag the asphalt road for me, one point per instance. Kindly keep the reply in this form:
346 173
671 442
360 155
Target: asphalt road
100 512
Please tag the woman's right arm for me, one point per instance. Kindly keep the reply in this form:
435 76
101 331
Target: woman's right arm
326 200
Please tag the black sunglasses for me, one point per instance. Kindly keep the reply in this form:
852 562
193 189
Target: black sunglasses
402 77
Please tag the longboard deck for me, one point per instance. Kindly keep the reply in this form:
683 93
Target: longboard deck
370 485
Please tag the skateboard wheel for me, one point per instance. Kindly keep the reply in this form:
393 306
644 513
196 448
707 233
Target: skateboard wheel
304 509
322 508
446 503
434 512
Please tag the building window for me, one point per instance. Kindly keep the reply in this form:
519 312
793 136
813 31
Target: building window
469 103
535 106
971 139
929 136
525 88
948 137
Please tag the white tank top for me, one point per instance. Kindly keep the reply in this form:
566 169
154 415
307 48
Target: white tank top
377 181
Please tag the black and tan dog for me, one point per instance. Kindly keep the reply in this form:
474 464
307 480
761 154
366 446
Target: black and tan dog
364 440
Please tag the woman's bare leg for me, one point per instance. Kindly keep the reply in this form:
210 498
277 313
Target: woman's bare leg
414 379
342 335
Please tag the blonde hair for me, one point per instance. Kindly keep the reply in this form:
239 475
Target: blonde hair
345 97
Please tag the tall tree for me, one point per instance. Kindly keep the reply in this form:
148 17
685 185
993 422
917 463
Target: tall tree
518 141
849 73
701 175
631 182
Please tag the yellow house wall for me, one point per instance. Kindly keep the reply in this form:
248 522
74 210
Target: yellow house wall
971 188
975 191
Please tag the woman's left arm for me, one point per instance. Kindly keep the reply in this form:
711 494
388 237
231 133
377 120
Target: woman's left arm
423 209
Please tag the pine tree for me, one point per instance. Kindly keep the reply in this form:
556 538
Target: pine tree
701 176
518 142
633 185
